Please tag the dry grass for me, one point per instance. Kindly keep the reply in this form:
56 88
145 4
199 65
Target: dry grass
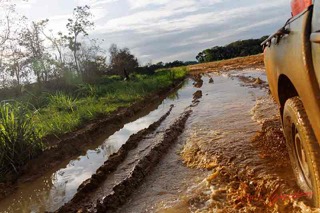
255 61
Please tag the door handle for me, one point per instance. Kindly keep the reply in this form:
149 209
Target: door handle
315 37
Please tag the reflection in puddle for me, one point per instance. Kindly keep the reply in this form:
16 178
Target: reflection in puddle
51 191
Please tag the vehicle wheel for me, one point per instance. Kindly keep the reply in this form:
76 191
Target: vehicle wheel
304 150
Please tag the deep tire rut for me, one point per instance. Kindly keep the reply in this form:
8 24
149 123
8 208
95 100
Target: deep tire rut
124 171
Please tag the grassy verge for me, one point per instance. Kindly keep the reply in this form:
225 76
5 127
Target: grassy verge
22 125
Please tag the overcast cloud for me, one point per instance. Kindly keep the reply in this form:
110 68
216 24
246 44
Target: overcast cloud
166 30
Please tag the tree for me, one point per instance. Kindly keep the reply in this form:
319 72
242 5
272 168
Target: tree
58 51
92 61
31 39
78 25
16 63
122 62
8 18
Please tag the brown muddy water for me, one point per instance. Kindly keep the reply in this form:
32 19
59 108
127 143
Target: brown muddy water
231 156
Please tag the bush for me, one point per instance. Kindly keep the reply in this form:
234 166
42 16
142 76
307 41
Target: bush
19 139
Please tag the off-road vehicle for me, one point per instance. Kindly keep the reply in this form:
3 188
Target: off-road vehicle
292 60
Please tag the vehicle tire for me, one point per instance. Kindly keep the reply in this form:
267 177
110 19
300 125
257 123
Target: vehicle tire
303 148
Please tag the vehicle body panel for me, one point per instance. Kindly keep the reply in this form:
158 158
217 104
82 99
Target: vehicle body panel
315 27
291 56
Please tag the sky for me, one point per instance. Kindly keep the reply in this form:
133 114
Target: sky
167 30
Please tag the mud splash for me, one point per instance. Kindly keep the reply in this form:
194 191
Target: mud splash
238 138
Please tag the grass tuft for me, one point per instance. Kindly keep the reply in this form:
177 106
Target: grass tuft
20 141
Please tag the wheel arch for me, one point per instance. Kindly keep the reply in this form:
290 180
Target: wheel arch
286 90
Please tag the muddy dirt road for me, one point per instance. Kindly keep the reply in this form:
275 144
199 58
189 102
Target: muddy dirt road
213 145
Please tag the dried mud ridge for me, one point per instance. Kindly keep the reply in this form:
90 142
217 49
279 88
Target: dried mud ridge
73 144
120 191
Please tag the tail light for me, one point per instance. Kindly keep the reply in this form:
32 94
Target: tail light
297 6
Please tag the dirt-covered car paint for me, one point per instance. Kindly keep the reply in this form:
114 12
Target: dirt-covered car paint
290 68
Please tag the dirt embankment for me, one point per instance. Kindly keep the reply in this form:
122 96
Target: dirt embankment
72 144
251 62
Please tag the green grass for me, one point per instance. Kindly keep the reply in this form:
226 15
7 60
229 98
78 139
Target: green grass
22 125
65 112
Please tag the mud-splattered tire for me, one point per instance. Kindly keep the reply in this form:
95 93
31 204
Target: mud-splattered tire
303 148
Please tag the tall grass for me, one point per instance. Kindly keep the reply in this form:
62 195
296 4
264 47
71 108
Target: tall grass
19 138
64 113
62 102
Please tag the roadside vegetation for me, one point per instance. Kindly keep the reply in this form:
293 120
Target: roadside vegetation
64 112
52 83
23 124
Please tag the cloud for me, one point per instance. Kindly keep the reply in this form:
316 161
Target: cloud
171 33
94 3
169 30
148 19
138 4
182 15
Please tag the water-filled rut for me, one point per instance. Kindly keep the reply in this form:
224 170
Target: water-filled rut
58 186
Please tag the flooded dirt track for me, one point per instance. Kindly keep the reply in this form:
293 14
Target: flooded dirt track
215 145
231 156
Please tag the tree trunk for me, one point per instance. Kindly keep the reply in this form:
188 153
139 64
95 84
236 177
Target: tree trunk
126 74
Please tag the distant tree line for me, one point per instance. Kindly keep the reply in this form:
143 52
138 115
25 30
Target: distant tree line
235 49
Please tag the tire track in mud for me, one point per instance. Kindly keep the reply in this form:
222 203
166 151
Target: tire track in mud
115 195
111 164
122 190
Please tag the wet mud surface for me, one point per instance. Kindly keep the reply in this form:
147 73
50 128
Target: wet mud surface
216 145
